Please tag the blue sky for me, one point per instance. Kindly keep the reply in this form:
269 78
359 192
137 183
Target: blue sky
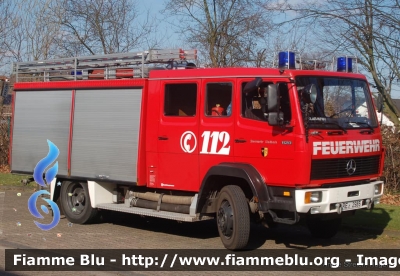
155 6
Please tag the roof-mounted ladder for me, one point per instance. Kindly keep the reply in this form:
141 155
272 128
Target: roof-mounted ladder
82 67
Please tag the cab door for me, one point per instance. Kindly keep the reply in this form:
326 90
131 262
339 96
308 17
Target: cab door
216 123
177 143
270 149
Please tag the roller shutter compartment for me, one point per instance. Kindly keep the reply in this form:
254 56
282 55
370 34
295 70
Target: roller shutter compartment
40 116
106 133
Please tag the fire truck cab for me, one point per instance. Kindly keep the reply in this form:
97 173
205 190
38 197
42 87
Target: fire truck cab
277 145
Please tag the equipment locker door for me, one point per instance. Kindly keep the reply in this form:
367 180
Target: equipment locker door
178 138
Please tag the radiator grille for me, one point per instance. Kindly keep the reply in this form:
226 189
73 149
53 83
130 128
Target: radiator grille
338 168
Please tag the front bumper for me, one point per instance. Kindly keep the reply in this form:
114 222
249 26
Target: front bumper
336 200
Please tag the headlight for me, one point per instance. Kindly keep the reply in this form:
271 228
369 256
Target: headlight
378 188
313 197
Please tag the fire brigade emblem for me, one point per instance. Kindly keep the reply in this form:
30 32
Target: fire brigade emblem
264 152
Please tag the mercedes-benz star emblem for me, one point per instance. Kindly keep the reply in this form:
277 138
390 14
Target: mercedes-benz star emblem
351 167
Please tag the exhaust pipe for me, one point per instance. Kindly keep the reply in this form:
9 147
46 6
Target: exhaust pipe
184 200
142 203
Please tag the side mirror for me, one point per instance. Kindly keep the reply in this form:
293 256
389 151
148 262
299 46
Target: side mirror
275 116
252 86
273 98
379 103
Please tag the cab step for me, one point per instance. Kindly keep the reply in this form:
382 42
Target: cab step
152 213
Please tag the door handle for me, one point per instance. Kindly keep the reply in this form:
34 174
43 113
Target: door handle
162 138
240 141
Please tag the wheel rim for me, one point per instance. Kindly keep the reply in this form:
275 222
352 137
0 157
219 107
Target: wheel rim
76 198
225 219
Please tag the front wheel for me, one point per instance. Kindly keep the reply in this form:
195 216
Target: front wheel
324 229
75 202
233 217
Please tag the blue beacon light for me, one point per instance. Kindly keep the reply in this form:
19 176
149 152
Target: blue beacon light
343 66
285 59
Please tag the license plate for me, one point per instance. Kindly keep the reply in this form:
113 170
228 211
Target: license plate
350 205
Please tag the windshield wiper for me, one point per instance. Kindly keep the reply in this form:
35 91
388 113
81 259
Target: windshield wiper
329 123
363 123
324 122
336 124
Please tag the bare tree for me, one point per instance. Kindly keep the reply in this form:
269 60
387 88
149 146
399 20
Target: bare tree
102 26
38 30
7 14
227 33
28 33
368 29
44 29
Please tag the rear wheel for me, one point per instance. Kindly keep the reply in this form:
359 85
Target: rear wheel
324 229
233 217
75 202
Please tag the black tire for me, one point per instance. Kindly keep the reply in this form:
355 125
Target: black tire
324 229
233 217
75 202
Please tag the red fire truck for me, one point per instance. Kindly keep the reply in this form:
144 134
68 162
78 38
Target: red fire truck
148 133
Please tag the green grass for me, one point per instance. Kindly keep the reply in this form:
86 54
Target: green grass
8 179
384 217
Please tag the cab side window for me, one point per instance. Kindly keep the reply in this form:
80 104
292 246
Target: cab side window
218 99
180 99
254 104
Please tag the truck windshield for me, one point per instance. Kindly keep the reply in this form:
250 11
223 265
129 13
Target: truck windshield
341 103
